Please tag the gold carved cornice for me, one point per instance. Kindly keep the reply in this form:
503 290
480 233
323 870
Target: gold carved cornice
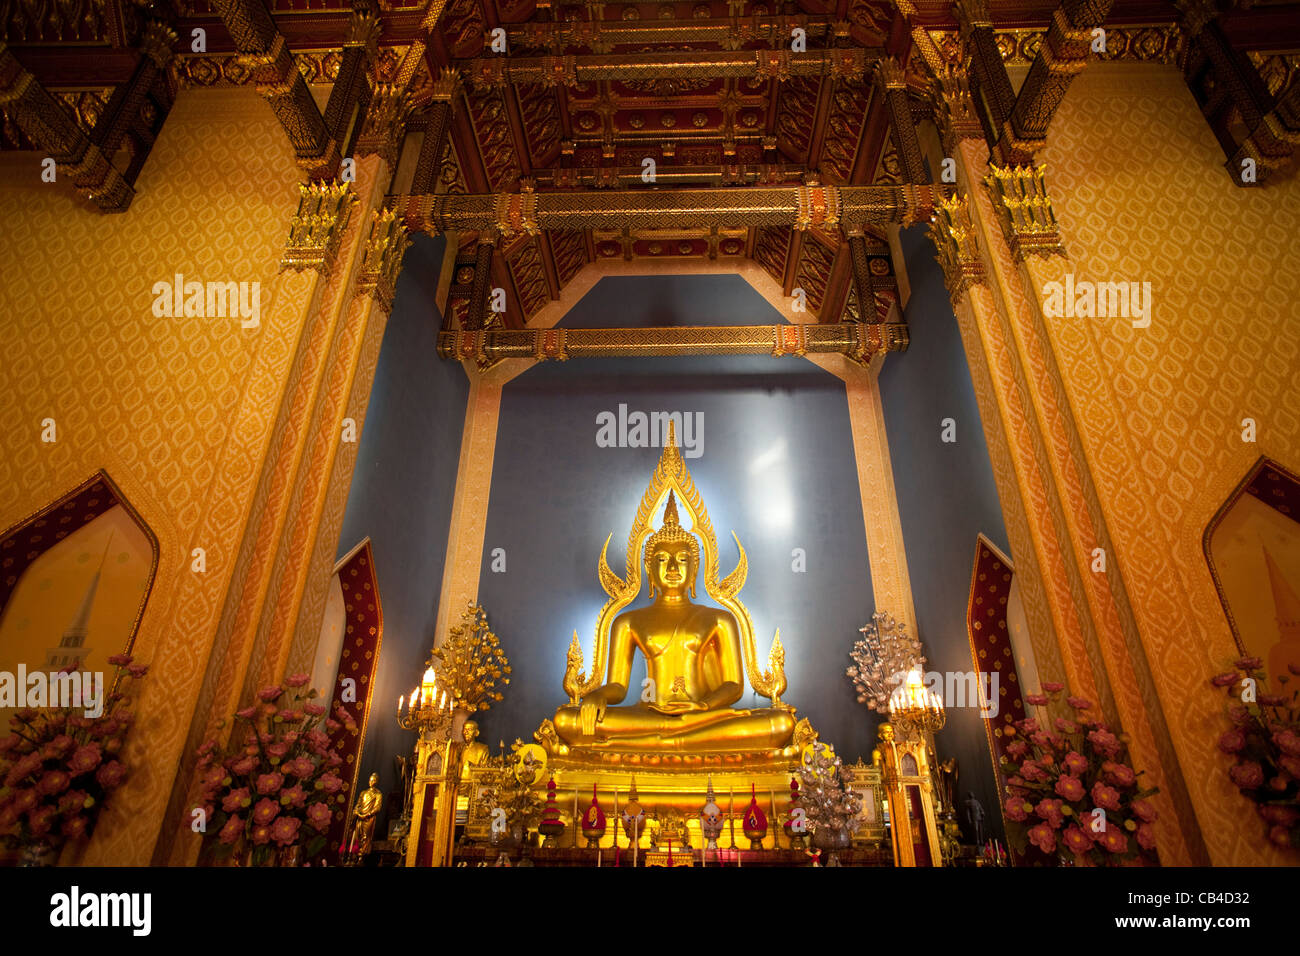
386 117
446 86
156 42
954 109
385 247
363 32
953 233
859 342
314 235
890 74
1024 210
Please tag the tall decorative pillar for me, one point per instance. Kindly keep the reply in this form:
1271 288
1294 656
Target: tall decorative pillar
339 267
1000 247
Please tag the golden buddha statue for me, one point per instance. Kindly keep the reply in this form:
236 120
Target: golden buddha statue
475 751
697 655
694 662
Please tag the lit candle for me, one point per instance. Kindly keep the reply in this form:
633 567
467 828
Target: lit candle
427 684
400 701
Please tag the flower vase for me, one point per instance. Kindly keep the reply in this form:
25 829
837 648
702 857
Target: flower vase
249 856
40 852
830 840
289 855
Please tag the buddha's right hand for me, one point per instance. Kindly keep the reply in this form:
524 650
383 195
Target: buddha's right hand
591 712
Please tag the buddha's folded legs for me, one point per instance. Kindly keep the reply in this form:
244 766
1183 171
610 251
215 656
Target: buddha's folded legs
641 728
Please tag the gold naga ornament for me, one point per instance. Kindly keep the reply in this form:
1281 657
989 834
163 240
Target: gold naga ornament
697 656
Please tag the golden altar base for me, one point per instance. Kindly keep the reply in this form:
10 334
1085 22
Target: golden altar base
660 790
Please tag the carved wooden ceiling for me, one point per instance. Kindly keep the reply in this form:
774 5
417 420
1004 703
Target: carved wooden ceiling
588 94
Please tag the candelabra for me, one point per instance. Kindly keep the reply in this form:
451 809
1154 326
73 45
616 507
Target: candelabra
427 711
434 717
915 709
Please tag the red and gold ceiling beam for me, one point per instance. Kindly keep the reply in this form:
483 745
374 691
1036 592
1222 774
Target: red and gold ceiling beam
859 342
781 64
798 207
1259 132
607 34
1060 59
281 83
134 115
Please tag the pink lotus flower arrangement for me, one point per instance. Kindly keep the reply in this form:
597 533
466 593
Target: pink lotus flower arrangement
274 786
58 766
1057 780
1264 742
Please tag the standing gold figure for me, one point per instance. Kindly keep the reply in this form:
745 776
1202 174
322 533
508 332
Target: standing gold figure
694 661
364 814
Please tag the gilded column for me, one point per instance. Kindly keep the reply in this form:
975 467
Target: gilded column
1097 645
310 294
346 323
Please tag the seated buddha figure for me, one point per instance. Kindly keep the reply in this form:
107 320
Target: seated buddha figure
694 662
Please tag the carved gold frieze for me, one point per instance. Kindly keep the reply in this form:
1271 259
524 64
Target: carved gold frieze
953 234
1162 43
317 228
1024 210
385 247
857 341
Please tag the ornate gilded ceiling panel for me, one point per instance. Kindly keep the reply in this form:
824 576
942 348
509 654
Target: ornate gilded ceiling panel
487 111
614 95
844 130
570 253
813 273
771 246
529 275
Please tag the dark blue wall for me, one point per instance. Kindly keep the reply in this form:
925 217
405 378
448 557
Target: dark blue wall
402 491
777 467
946 496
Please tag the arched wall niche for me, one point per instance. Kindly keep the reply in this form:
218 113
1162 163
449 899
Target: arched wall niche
75 577
1252 546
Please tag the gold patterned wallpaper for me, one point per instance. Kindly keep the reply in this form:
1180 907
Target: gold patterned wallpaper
173 408
1139 187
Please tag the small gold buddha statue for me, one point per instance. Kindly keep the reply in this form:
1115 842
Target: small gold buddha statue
694 661
364 814
475 752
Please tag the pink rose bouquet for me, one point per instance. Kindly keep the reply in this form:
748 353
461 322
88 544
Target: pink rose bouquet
1264 744
59 766
273 785
1073 793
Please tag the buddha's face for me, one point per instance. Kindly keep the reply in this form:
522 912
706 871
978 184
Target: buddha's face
470 731
671 567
